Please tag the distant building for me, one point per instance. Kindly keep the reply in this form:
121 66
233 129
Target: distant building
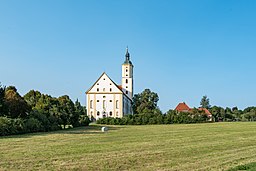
183 107
107 99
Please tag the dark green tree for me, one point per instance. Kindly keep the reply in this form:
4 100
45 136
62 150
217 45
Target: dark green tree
67 108
2 104
79 111
145 102
205 102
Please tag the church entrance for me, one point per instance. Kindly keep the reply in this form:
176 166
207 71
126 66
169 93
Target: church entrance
104 114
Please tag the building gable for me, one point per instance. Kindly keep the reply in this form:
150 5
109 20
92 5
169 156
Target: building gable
104 85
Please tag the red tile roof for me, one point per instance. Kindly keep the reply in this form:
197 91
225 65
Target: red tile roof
182 107
206 111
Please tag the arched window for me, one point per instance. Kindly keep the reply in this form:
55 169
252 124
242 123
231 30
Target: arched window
110 113
91 104
98 89
110 89
126 81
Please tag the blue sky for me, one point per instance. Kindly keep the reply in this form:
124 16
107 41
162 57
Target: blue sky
181 49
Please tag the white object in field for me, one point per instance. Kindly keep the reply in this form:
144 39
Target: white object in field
104 129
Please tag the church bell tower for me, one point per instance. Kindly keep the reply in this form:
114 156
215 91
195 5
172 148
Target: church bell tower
127 76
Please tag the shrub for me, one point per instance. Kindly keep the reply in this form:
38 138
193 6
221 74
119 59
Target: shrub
33 125
84 120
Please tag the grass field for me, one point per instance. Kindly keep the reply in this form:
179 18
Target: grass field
218 146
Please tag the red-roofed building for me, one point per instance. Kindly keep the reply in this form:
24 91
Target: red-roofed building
183 107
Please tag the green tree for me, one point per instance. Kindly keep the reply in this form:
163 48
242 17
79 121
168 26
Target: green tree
16 105
32 97
145 102
79 111
2 104
67 109
205 102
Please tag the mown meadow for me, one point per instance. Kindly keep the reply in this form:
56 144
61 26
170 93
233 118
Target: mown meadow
212 146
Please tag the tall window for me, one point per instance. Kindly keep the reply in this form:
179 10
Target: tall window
110 113
126 92
98 113
110 89
104 104
91 104
126 81
117 104
98 89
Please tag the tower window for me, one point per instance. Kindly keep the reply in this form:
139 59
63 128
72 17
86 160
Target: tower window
126 70
98 89
126 75
110 89
104 97
110 100
98 100
126 92
104 89
126 86
110 113
126 81
98 113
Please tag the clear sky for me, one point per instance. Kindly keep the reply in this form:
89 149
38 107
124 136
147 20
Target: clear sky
181 49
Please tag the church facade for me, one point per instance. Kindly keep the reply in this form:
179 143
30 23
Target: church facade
107 99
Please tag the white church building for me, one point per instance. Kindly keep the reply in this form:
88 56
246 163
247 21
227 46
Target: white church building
107 99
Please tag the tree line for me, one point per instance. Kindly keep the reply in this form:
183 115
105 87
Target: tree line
146 111
37 112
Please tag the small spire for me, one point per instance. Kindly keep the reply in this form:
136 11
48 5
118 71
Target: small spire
127 55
